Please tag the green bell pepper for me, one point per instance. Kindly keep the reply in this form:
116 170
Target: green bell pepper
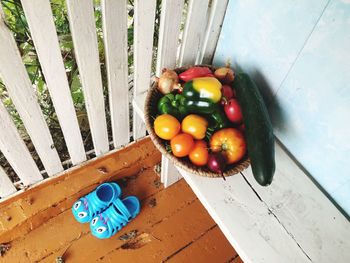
173 105
203 106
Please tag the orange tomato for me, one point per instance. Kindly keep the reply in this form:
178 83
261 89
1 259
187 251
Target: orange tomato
230 142
181 144
195 125
166 126
199 154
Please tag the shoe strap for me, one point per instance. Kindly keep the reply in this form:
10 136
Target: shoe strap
113 218
94 204
122 209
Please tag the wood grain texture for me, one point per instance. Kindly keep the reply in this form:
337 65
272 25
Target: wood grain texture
193 35
15 151
16 80
83 28
6 186
164 232
291 220
207 248
305 212
213 29
246 221
144 13
28 209
114 18
169 30
43 32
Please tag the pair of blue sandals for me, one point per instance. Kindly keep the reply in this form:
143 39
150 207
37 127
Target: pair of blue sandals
105 211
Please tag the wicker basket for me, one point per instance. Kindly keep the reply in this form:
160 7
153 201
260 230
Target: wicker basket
152 99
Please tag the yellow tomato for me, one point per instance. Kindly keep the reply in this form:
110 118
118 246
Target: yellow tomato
166 126
199 154
194 125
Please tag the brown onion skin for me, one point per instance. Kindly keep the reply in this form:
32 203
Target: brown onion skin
168 81
225 75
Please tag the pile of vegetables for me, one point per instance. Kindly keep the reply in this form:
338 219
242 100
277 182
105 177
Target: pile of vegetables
201 118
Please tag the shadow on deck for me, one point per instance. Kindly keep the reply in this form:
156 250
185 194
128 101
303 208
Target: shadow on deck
172 226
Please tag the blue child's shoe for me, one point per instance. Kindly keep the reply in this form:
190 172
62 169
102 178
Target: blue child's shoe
95 202
115 217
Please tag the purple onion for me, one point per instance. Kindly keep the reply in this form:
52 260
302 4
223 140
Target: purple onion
216 163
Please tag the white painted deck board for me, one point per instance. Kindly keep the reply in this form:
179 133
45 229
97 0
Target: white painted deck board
83 29
114 18
43 32
15 150
292 207
305 212
144 13
6 186
255 234
19 87
193 35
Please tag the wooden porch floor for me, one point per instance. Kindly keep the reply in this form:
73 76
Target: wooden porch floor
172 225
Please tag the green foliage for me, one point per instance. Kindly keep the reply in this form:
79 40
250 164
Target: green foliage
17 23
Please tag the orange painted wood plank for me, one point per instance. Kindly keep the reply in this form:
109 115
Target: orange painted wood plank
60 231
150 184
237 260
211 247
40 201
167 237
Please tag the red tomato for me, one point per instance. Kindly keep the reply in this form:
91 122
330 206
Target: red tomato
227 92
233 111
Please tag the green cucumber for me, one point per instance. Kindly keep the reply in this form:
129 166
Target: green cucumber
258 129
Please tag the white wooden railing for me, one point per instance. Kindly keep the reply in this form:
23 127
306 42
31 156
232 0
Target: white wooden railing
198 42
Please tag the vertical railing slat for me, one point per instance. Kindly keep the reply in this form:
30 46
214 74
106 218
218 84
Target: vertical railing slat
193 35
83 29
15 151
6 186
169 30
43 32
16 80
144 13
216 18
114 18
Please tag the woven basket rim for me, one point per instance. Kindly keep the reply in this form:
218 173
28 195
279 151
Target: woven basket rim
183 163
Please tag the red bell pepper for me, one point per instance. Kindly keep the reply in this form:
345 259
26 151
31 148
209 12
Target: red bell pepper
195 72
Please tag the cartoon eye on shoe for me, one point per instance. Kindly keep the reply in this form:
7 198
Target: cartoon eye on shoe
101 229
95 202
82 214
77 205
94 221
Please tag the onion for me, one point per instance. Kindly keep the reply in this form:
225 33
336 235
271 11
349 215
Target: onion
216 163
168 81
225 75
